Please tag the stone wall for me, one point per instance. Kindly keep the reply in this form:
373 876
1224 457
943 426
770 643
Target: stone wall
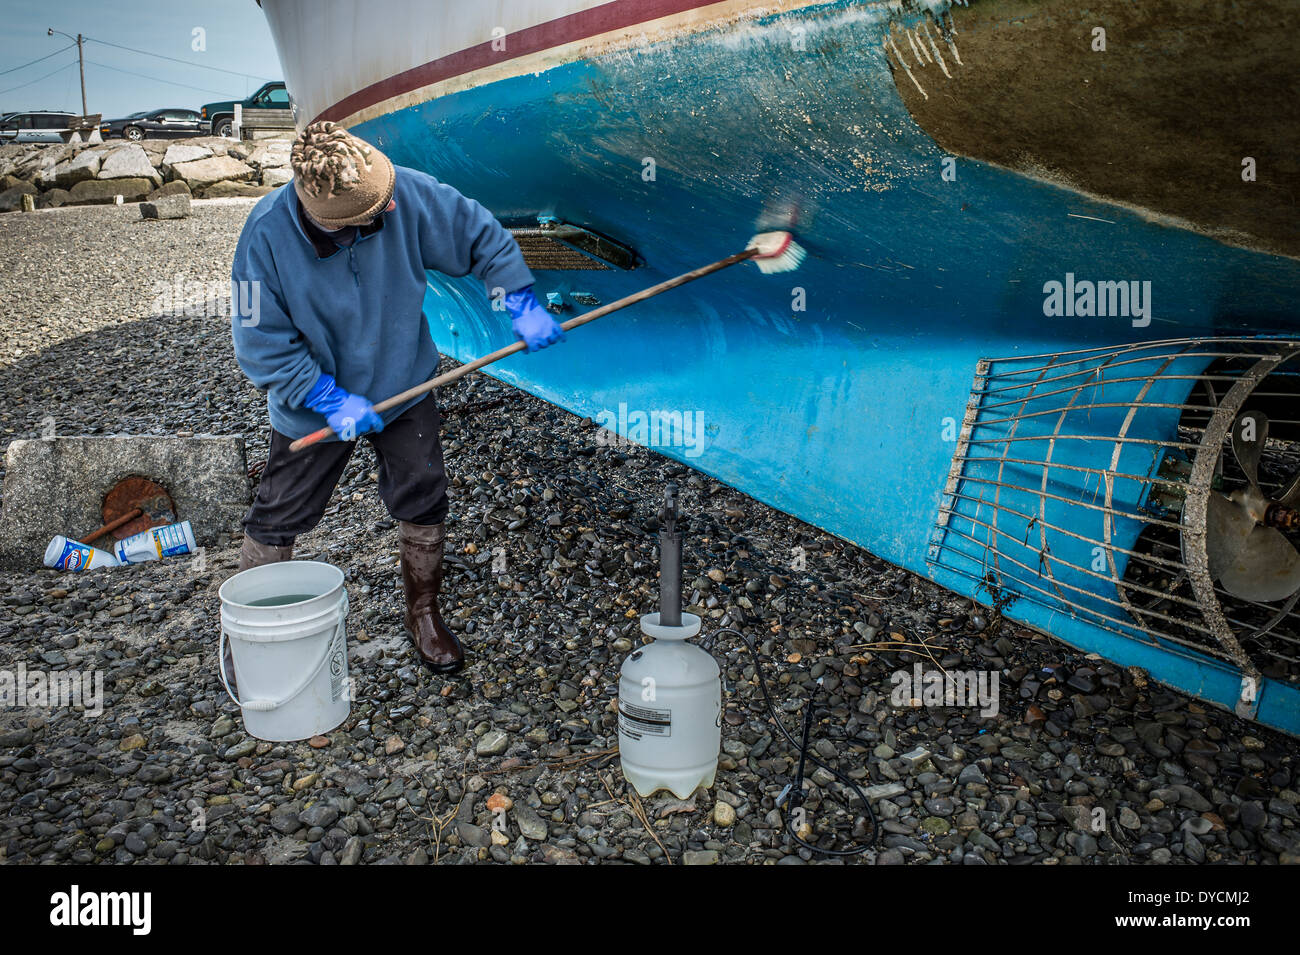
61 174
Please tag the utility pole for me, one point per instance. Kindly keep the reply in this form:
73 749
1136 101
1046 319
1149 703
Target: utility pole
81 61
81 66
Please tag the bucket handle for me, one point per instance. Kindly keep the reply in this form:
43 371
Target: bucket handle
263 706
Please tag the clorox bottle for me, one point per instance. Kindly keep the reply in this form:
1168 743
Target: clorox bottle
669 691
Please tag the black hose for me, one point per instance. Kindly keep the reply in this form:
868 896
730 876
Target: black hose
796 792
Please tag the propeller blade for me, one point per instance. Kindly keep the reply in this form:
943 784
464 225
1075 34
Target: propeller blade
1228 526
1266 569
1249 432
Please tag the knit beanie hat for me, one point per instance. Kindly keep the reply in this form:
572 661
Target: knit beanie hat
342 180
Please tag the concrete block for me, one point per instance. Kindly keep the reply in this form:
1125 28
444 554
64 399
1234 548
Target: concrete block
57 486
166 207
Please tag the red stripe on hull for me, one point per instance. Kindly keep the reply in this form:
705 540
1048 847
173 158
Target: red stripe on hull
617 15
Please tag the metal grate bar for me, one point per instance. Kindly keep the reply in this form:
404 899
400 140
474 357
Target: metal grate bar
1069 409
543 253
1057 497
1048 525
1101 472
1123 628
1060 583
1075 389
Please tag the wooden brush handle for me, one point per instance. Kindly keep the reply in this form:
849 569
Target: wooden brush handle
509 350
112 525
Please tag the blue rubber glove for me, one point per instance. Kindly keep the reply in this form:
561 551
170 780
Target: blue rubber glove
532 324
349 415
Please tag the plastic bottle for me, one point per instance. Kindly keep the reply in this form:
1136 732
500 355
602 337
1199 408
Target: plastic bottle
156 543
64 554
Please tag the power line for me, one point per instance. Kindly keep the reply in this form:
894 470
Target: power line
202 66
39 78
157 79
37 60
116 69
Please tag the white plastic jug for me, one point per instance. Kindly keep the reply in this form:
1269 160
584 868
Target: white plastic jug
64 554
669 711
290 656
169 540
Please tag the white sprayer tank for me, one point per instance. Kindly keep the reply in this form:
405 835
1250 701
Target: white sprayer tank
669 711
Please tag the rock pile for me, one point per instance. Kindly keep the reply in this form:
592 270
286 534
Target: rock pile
64 174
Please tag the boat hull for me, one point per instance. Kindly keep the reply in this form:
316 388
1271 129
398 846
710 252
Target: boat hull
832 392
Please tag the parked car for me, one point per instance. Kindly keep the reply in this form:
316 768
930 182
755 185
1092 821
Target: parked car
155 124
35 126
221 116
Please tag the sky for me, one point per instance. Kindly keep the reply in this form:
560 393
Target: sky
229 58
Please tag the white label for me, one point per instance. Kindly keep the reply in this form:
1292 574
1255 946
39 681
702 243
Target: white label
638 721
338 663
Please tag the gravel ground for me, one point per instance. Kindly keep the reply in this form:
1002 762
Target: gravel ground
167 775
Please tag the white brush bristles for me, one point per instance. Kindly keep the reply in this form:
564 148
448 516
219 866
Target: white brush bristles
777 252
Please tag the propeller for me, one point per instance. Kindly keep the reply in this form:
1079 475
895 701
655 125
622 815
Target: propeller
1252 560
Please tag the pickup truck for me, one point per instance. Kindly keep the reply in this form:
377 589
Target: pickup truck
220 116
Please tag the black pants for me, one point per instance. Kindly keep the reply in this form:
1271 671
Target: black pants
296 485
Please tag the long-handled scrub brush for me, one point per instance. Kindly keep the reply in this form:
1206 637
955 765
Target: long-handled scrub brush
772 252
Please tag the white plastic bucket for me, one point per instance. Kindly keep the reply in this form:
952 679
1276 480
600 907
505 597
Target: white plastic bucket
291 661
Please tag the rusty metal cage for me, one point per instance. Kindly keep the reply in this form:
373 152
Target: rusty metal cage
1080 481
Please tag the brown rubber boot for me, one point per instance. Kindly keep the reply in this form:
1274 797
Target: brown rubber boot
253 554
421 550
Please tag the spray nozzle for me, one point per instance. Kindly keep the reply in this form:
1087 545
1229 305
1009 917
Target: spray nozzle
668 513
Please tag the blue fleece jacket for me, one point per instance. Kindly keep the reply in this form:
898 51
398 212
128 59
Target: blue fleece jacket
357 312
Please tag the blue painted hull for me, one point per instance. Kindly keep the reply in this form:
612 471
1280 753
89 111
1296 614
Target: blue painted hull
835 411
